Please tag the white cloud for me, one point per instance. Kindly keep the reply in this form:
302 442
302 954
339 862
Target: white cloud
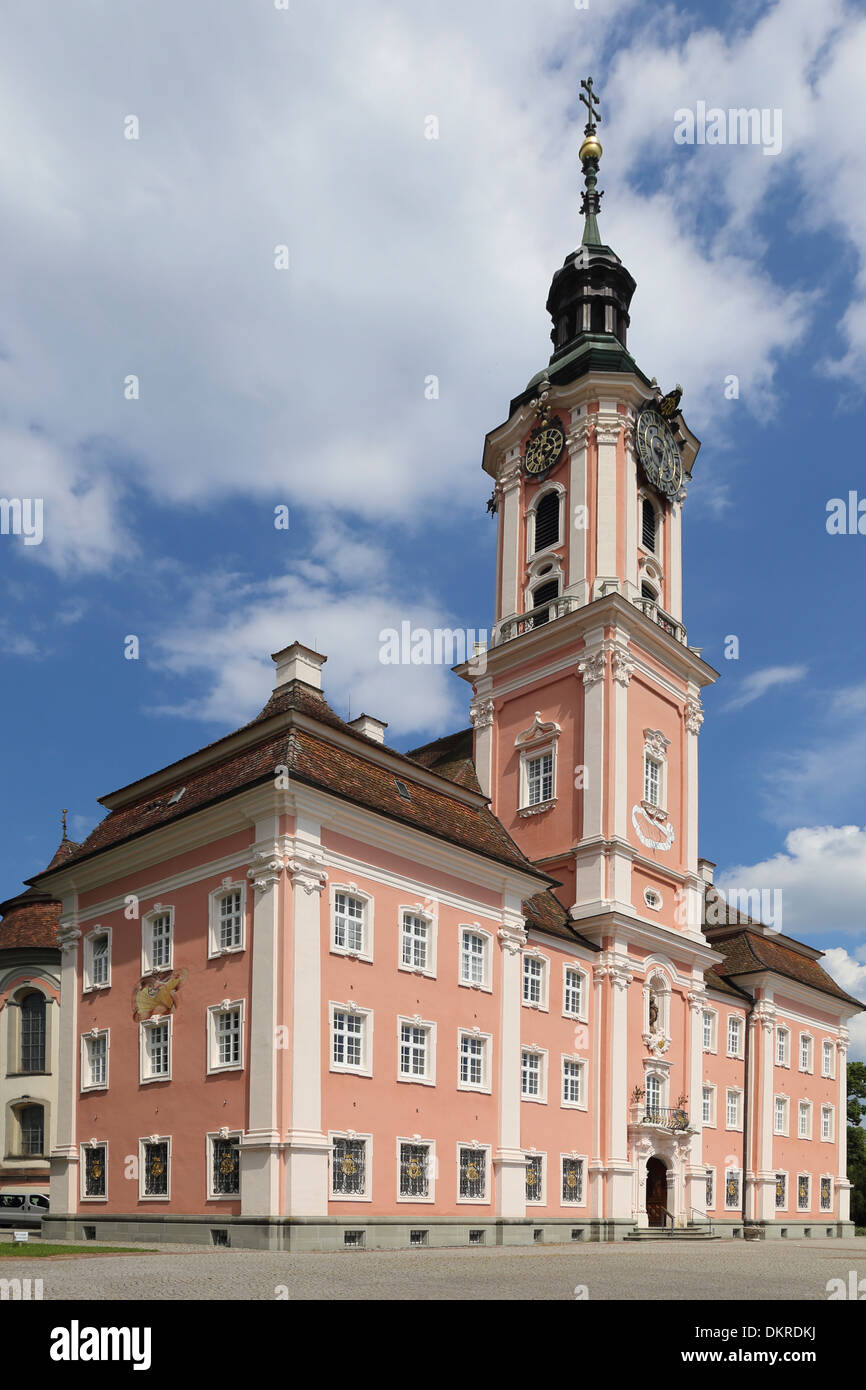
758 683
821 874
850 973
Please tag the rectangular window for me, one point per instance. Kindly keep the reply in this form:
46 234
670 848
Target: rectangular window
472 1174
415 1051
733 1109
473 959
533 980
708 1021
535 1178
415 1171
415 937
732 1190
572 1081
347 1039
574 992
826 1122
160 941
155 1167
781 1115
572 1180
472 1060
781 1191
99 960
707 1106
711 1185
805 1052
530 1075
349 1168
349 924
735 1032
826 1194
228 1037
97 1060
804 1120
230 923
782 1044
827 1051
225 1166
94 1170
803 1192
539 779
157 1049
652 781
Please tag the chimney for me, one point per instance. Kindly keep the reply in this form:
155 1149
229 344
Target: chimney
298 663
373 728
706 868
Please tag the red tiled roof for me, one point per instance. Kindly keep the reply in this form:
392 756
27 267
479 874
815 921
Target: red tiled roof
451 757
747 952
546 913
29 920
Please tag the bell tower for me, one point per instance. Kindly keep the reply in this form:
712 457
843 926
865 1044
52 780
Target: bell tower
587 711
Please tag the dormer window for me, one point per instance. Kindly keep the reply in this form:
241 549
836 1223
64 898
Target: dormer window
648 525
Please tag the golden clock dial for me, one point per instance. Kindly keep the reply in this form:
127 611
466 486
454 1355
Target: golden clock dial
544 449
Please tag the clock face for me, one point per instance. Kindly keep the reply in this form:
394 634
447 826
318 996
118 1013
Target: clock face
544 449
658 452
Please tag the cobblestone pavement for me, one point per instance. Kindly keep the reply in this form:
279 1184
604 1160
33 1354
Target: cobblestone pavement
719 1270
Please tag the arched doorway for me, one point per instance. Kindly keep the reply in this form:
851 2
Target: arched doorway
656 1191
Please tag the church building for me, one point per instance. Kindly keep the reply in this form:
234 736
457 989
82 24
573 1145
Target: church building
316 993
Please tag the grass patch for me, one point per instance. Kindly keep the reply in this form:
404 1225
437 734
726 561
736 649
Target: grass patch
12 1250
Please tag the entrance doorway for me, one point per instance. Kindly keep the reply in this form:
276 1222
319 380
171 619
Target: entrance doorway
656 1191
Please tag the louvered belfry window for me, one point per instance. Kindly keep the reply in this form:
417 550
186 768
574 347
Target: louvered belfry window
648 526
547 521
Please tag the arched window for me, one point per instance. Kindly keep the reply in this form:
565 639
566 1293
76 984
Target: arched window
33 1032
545 593
648 525
547 521
31 1128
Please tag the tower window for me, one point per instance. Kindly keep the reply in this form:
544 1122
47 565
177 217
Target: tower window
545 593
547 521
647 591
649 526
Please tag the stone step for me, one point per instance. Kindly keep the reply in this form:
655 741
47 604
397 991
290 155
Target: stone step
681 1233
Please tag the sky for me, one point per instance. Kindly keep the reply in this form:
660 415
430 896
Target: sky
232 261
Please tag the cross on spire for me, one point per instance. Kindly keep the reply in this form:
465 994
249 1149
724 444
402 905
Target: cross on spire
590 101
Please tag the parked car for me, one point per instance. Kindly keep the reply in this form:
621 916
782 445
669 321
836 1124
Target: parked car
22 1208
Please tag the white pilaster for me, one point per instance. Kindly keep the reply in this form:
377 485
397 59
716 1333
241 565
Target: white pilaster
631 588
307 1168
763 1204
693 718
620 1176
675 578
695 1173
64 1180
842 1184
578 521
509 1160
481 714
608 427
509 505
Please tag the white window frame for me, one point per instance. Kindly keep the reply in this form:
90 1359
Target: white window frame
367 1140
541 1199
808 1177
87 1083
82 1176
543 1005
734 1091
154 1196
145 1028
485 1149
486 983
486 1040
530 1050
734 1020
531 553
351 890
214 1010
828 1047
582 1014
808 1039
826 1177
366 1015
584 1195
711 1122
827 1109
783 1173
804 1107
96 933
227 886
209 1142
424 914
783 1037
538 741
712 1014
429 1077
738 1205
655 749
658 550
432 1170
583 1083
785 1127
147 965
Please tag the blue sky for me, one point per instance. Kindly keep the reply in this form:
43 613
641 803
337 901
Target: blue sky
408 257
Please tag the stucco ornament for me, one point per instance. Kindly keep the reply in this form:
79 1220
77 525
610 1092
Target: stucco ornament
651 832
657 1044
